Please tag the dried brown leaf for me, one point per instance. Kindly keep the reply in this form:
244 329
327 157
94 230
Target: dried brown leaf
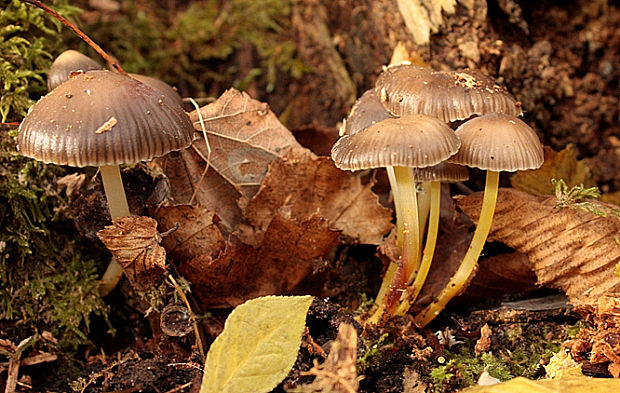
557 165
244 137
134 242
569 248
304 185
275 266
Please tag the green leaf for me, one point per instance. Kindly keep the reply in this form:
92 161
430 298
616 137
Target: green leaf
258 346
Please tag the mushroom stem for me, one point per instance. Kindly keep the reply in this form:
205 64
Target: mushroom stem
465 270
429 250
407 224
117 204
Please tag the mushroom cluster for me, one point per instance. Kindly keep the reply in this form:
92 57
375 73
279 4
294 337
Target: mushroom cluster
403 125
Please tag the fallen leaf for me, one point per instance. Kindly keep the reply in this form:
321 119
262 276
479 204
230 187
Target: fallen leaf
338 374
557 165
572 384
244 136
134 243
305 185
258 346
570 249
239 272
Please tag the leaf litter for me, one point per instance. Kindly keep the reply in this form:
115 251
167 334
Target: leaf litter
265 210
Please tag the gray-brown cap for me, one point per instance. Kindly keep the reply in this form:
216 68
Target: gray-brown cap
66 63
443 172
452 95
412 141
366 111
498 142
103 118
162 87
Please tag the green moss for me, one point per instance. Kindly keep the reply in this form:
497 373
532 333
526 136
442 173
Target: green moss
197 45
518 350
29 40
48 278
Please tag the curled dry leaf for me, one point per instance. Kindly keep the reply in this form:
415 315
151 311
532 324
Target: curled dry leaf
568 248
244 137
134 242
225 273
305 185
557 165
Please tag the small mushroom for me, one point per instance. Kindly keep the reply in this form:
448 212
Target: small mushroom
415 141
104 119
65 64
366 111
493 142
406 89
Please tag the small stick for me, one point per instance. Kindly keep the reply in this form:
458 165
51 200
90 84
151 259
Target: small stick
113 63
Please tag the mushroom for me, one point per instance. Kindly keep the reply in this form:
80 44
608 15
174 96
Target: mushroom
104 119
65 64
415 141
406 89
366 111
160 86
493 142
435 175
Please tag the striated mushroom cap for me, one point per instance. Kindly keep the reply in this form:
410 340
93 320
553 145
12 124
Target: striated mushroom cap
103 118
366 111
161 87
498 142
67 62
454 95
443 172
413 141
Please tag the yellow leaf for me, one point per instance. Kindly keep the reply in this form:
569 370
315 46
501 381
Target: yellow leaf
572 384
258 346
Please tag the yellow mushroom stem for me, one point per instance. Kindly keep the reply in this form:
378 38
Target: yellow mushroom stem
395 278
465 270
419 277
117 204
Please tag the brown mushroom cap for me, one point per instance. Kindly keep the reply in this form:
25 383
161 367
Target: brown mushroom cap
498 142
366 111
67 62
443 172
162 87
413 141
454 95
103 118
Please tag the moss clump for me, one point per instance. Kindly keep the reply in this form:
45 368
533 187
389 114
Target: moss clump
196 43
29 40
517 350
47 275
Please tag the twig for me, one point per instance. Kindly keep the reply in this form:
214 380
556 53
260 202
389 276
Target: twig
194 322
113 63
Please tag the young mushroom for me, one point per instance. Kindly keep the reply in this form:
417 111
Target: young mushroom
493 142
415 141
68 62
104 119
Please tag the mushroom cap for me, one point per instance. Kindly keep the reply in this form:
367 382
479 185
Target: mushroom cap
103 118
416 141
161 87
67 62
498 142
366 111
443 172
453 95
